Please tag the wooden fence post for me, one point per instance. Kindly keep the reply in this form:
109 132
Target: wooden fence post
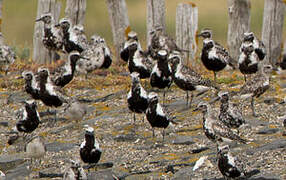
119 22
155 16
1 6
272 28
238 23
186 29
75 11
40 54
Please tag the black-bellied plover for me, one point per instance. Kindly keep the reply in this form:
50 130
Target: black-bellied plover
74 172
131 37
214 57
31 85
7 55
186 78
259 47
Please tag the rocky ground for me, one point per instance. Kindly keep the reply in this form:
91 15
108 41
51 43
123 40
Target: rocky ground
129 150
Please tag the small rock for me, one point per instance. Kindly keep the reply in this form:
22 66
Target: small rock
195 151
268 131
4 123
105 174
269 100
19 172
125 138
186 140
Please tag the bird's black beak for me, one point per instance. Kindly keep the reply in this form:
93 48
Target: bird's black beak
20 77
57 25
82 57
215 99
199 35
39 19
196 109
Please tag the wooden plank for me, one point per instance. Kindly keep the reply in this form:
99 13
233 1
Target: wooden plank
156 11
40 54
238 23
272 29
186 29
75 11
119 22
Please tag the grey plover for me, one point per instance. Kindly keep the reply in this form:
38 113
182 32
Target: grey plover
229 114
28 117
7 55
257 85
89 149
160 40
139 61
157 116
53 34
230 166
75 172
98 56
248 61
259 47
186 78
161 75
214 129
31 85
35 148
62 75
214 57
131 37
137 96
79 33
71 41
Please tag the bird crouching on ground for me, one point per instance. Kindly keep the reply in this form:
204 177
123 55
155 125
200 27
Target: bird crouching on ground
229 165
186 78
74 172
156 115
229 114
7 55
214 57
89 149
137 98
214 129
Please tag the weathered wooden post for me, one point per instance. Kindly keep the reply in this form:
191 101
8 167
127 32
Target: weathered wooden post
1 6
273 19
75 11
119 22
186 28
155 16
41 54
239 23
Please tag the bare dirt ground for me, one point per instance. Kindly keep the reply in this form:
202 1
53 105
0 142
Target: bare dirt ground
129 146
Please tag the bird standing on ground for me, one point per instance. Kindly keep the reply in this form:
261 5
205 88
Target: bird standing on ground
214 57
187 79
259 47
7 55
53 34
214 129
161 75
139 61
131 37
156 115
31 85
229 114
248 61
89 149
256 86
229 166
36 149
137 96
64 74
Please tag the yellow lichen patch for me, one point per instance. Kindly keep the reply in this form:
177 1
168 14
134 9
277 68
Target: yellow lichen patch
44 134
170 156
272 126
253 144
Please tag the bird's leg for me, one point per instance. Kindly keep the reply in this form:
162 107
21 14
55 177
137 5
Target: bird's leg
244 77
214 76
143 119
134 118
163 133
187 98
153 132
164 94
252 107
191 100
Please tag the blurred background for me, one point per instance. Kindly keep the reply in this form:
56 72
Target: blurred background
19 18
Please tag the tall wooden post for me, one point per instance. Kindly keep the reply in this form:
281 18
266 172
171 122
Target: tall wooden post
119 22
186 29
1 7
155 16
238 23
75 11
273 19
41 54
